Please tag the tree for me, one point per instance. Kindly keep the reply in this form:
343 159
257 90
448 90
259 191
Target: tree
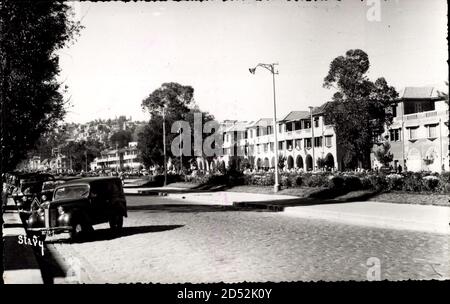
178 103
120 139
82 153
31 99
50 140
383 153
281 162
444 95
359 109
321 162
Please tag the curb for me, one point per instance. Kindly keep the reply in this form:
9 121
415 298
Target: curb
20 263
271 207
146 193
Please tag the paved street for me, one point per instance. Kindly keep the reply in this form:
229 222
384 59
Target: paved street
166 242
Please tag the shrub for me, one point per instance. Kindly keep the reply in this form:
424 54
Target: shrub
412 182
316 180
297 181
336 182
366 182
286 181
430 183
352 183
377 182
394 181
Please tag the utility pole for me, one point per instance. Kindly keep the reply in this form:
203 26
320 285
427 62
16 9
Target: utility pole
181 154
312 138
164 145
271 69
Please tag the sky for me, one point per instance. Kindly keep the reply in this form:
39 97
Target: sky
127 50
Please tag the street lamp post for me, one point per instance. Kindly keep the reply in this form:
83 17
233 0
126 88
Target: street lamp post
181 154
271 68
164 145
312 138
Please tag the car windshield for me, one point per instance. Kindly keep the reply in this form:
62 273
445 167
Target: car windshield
77 191
51 185
31 188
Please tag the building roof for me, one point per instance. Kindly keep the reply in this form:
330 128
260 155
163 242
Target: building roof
321 109
296 115
238 126
419 93
263 122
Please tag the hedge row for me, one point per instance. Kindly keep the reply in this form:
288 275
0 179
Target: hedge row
409 181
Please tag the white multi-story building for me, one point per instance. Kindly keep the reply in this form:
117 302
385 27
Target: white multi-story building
118 159
303 138
419 134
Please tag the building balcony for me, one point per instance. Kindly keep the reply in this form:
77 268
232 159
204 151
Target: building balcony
429 115
131 156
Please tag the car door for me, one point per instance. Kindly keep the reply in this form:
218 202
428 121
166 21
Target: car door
100 202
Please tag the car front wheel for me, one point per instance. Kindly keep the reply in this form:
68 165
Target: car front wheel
79 231
116 223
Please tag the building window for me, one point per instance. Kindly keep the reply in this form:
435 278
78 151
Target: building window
272 146
298 144
266 147
432 131
418 107
269 129
412 133
280 145
394 134
297 125
280 128
328 141
317 141
316 122
289 144
394 111
289 127
258 149
307 124
308 143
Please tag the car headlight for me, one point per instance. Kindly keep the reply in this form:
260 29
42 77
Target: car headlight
24 198
44 198
60 210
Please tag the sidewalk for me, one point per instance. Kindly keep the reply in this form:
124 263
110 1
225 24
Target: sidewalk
434 219
21 266
225 198
151 190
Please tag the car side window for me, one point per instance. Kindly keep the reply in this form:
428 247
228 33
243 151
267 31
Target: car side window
115 189
94 193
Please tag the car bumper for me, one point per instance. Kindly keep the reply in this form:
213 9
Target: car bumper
52 230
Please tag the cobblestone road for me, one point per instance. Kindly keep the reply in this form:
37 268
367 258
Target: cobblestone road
181 243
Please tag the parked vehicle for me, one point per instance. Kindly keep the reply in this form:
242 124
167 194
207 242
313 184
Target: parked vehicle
78 205
29 190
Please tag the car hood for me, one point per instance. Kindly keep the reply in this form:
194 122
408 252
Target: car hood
68 201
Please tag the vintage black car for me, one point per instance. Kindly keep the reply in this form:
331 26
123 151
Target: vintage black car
29 190
78 205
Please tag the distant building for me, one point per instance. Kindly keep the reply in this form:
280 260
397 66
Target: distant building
419 135
118 159
303 138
